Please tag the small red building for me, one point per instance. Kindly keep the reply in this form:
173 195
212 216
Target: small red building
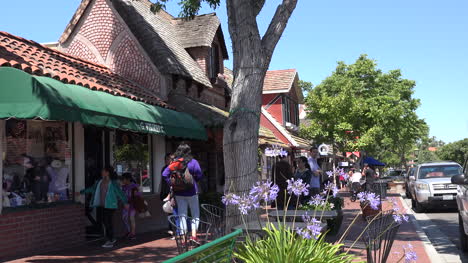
280 115
280 107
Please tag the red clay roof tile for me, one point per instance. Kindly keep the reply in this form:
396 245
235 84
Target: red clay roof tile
39 60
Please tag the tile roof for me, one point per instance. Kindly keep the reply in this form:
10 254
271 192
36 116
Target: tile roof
279 79
266 136
74 20
157 34
199 31
39 60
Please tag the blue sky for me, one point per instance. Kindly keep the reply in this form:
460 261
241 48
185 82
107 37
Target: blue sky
426 39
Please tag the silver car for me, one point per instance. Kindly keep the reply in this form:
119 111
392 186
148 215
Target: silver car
430 185
462 202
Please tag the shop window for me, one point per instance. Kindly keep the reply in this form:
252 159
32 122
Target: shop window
214 62
132 155
36 162
286 109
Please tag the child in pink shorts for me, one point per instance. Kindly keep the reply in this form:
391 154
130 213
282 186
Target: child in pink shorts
128 215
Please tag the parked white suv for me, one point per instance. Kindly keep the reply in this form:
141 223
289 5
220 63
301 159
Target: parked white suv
462 202
430 185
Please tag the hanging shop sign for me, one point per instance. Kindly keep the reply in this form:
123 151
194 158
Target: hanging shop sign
275 152
324 149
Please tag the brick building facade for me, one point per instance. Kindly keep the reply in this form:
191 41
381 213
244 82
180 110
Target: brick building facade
122 48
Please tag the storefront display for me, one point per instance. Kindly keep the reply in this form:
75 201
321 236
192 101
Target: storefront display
131 155
36 162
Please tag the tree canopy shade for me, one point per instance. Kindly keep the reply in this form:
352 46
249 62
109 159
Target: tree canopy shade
359 107
252 54
455 151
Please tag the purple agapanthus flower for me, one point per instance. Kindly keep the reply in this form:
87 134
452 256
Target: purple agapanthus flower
410 255
372 199
398 219
247 203
329 173
297 187
312 229
230 199
265 191
317 200
331 187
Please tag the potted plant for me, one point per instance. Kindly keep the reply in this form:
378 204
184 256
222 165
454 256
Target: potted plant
319 203
370 204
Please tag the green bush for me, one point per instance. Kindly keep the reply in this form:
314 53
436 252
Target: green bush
285 246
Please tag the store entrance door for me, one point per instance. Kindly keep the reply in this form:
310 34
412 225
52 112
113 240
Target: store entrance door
96 157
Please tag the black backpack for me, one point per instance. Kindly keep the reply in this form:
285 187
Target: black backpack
181 179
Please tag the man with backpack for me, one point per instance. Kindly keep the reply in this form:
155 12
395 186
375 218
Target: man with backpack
182 175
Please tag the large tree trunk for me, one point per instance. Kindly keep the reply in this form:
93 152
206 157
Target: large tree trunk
252 55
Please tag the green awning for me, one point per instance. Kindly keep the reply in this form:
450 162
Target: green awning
24 96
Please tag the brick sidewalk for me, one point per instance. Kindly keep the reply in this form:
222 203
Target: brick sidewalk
406 233
149 247
154 247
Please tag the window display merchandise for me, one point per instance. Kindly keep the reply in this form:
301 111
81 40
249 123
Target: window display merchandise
36 162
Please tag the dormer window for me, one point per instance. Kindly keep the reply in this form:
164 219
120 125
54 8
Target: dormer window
214 62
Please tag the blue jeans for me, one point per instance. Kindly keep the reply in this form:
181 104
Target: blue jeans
183 203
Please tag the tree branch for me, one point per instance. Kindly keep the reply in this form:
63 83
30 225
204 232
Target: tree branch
258 6
277 25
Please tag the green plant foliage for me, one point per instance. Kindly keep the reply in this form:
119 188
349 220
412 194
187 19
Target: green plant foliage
359 107
455 151
284 246
338 203
190 8
305 86
132 152
424 155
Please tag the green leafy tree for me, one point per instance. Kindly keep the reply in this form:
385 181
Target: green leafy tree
359 107
252 54
426 155
305 86
455 151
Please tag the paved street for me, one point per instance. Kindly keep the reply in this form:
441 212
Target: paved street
441 227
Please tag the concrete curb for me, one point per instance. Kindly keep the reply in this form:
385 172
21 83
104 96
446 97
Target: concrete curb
430 249
440 238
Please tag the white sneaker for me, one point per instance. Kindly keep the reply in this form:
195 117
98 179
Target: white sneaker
109 244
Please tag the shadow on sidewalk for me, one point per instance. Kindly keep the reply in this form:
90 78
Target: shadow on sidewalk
149 247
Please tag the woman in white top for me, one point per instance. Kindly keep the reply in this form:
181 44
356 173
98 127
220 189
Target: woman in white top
355 184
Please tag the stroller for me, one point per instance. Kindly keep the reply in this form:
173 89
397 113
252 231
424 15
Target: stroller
356 188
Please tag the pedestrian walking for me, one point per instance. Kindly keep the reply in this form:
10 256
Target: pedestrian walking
304 172
166 195
182 175
282 172
316 171
105 195
131 190
369 173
